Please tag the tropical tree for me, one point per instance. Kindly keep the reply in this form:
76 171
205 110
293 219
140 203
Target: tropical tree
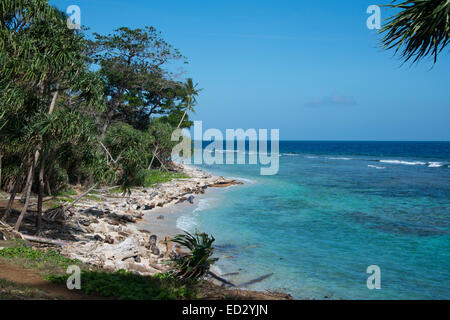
421 28
42 58
191 92
131 62
62 123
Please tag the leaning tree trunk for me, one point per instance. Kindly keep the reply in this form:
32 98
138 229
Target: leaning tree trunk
185 111
14 192
28 186
47 185
33 166
41 192
1 156
153 158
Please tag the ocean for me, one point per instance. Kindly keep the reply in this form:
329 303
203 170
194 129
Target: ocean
333 209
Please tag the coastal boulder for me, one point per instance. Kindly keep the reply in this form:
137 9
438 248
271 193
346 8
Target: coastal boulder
153 245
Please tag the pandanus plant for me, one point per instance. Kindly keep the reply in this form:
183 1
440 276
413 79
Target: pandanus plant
195 265
421 28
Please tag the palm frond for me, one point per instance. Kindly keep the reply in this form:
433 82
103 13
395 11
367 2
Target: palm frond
420 29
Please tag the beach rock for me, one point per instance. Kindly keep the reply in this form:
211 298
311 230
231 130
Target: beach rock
153 245
191 199
160 217
123 217
181 200
112 222
99 228
98 237
148 207
85 222
95 212
224 184
109 239
155 250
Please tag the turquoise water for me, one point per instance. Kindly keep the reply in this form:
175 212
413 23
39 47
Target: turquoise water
331 211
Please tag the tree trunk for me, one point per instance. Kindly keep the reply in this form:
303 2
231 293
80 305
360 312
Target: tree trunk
153 158
47 184
81 196
28 186
108 117
185 111
14 192
41 192
162 164
1 156
33 166
53 103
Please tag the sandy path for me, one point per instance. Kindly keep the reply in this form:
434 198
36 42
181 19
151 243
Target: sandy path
28 278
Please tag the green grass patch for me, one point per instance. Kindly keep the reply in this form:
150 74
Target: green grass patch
153 177
66 192
43 261
115 190
119 285
93 198
52 204
65 200
124 285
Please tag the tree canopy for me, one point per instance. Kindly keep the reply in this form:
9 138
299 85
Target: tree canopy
82 111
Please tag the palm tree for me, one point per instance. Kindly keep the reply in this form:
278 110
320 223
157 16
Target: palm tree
190 100
421 28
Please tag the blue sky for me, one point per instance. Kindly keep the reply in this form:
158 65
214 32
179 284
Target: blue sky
309 68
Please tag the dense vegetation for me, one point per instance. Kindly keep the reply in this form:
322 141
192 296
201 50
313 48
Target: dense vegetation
120 284
79 110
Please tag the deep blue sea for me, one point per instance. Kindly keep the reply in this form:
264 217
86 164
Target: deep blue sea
334 209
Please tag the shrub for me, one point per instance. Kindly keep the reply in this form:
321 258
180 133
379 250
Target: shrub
125 285
195 265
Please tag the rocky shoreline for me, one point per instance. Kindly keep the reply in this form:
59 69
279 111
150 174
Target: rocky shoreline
109 235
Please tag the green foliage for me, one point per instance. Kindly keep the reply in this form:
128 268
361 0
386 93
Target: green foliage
197 264
125 285
156 177
107 126
68 191
153 177
421 28
136 86
121 284
47 261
